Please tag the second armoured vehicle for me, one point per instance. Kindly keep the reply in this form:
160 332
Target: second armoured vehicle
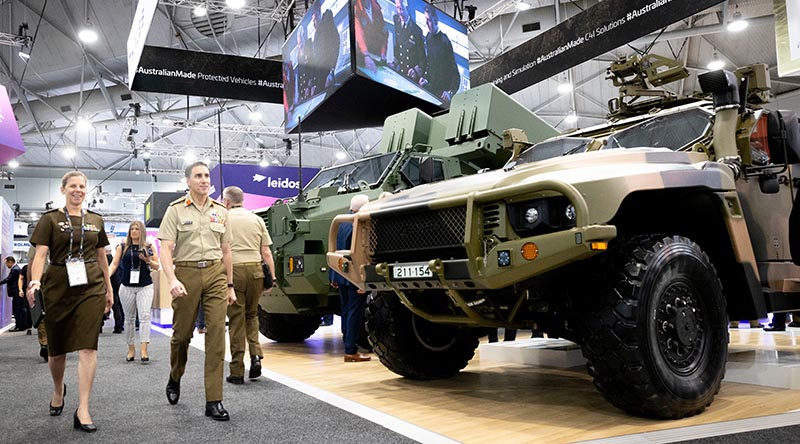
637 239
415 149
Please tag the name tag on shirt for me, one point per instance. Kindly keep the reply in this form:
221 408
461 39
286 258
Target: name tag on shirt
134 277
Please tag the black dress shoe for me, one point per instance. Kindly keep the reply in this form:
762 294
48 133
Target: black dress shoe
43 352
216 411
56 411
118 330
780 328
15 329
173 391
235 379
255 367
76 423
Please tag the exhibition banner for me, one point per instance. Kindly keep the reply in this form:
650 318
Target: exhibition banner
142 20
601 28
262 186
787 36
178 71
11 144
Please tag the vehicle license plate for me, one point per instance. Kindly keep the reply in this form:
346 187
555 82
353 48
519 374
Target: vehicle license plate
411 271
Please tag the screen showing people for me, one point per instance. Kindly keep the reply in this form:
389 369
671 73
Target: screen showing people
411 46
316 58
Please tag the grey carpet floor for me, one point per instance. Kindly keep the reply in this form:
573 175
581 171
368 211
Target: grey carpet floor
129 406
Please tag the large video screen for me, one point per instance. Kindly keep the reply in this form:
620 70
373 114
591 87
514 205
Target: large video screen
411 46
316 59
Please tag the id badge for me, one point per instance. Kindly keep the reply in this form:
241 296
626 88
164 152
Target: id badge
76 272
134 276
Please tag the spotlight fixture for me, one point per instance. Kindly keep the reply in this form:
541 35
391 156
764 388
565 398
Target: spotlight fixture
48 205
716 63
523 6
737 24
24 56
340 155
146 155
69 152
263 163
13 164
564 87
276 161
235 4
83 124
471 10
571 117
255 115
87 34
188 157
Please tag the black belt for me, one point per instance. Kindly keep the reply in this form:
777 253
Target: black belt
63 264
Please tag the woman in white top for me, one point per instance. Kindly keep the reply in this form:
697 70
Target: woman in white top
135 257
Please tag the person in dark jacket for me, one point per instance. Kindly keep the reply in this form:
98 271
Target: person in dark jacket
20 309
353 304
409 44
441 77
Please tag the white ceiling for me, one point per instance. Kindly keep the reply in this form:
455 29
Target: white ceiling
91 78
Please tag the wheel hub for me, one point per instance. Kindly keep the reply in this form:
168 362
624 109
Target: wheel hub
679 321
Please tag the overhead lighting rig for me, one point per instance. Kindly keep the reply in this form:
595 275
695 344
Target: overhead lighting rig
275 13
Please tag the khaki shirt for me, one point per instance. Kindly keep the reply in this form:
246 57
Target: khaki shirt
197 232
248 234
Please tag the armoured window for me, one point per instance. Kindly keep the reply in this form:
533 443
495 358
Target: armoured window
553 148
673 131
422 170
347 176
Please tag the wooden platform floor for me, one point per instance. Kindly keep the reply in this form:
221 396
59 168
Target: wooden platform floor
511 403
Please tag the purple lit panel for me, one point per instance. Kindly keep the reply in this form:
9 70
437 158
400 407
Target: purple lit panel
10 140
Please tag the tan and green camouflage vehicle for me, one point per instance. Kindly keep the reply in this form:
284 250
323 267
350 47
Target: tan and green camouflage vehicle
638 240
415 149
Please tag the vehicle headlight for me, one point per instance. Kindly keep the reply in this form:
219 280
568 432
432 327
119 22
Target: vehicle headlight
531 215
541 216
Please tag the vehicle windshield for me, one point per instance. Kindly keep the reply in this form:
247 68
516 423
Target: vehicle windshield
673 131
348 176
553 148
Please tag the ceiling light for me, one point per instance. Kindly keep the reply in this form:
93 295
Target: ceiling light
87 34
716 63
167 121
13 164
146 155
138 172
340 155
263 163
207 161
188 157
523 6
255 115
235 4
259 140
564 88
83 124
148 144
69 152
571 117
200 11
34 215
276 161
737 24
24 55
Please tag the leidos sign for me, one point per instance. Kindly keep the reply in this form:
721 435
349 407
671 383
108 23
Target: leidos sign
282 183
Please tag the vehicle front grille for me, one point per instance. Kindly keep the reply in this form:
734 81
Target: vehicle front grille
434 234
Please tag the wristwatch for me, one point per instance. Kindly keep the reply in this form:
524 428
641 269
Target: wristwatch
230 285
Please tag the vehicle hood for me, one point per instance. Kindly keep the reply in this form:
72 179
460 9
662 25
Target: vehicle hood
601 176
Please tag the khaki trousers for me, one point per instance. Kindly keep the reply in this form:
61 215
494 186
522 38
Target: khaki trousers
248 281
206 287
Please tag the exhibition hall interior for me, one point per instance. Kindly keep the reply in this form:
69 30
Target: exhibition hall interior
439 221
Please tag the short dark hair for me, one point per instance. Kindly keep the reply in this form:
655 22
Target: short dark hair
11 259
431 11
188 171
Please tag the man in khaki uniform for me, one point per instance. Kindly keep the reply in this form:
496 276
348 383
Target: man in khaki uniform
250 243
196 227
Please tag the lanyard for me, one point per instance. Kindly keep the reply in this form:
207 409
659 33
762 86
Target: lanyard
138 264
71 232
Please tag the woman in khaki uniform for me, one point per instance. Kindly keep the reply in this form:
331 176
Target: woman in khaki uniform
74 312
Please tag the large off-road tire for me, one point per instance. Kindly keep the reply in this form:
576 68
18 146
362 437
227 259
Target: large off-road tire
656 340
286 327
413 347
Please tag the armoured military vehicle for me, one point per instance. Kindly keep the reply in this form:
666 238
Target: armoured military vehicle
415 149
637 239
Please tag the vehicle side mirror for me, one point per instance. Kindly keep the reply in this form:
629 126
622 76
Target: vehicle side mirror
768 184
